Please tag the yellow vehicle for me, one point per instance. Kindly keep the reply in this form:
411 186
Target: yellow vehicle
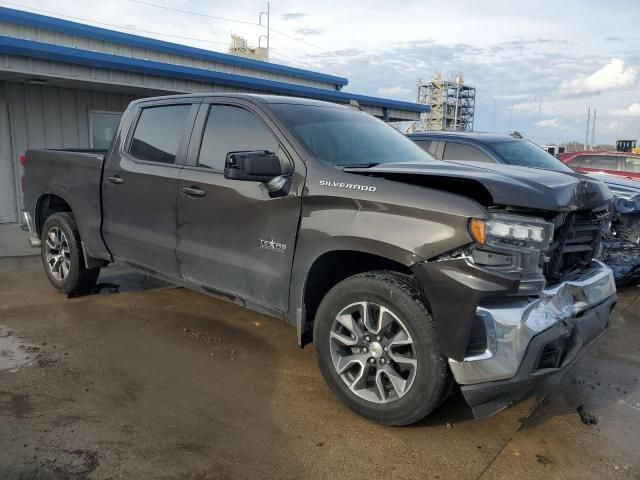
628 146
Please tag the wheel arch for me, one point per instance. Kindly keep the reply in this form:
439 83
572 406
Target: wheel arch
328 269
46 205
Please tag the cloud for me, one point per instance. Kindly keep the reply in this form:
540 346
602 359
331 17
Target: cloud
310 31
632 110
551 123
614 75
292 16
396 91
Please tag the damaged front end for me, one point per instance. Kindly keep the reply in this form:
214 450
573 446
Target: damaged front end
621 248
522 302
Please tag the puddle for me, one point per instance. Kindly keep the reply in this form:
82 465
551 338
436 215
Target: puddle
14 353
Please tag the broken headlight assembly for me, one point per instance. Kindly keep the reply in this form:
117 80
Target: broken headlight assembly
515 244
512 231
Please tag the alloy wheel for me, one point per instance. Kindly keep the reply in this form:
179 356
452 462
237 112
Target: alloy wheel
373 352
57 253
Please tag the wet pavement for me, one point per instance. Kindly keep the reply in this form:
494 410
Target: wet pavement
161 382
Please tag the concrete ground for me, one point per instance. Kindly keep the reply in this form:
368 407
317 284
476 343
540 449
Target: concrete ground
13 241
161 382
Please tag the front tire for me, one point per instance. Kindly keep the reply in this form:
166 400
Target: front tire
62 257
377 349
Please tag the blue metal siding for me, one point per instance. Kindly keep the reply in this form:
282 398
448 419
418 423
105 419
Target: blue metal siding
45 51
79 29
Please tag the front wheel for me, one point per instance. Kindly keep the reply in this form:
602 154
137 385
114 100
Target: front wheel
62 256
377 348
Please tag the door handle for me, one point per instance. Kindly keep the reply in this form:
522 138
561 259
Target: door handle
116 179
193 192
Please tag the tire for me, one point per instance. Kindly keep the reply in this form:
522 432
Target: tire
397 301
60 246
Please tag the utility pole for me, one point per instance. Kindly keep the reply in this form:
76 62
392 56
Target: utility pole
539 118
495 113
455 111
593 129
586 135
511 119
268 14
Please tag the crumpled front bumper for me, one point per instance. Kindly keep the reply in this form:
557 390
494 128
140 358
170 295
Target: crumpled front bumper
530 341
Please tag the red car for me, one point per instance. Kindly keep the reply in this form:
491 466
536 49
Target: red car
615 163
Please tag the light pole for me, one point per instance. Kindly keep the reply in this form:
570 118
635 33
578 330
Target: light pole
267 13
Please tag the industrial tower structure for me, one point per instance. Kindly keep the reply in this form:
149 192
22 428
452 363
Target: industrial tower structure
452 104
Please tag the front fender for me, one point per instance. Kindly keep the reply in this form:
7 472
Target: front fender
403 234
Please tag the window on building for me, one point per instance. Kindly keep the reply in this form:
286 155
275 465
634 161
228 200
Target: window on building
633 164
460 151
158 133
233 129
103 128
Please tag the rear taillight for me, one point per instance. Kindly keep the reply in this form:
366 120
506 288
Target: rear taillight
23 160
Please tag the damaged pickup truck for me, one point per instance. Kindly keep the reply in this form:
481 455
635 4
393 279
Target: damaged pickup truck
406 273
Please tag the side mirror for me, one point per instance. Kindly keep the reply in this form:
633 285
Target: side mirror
253 166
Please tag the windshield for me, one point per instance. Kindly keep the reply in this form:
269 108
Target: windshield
526 154
347 137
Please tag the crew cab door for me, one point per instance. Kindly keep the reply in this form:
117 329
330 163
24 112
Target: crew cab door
140 183
234 236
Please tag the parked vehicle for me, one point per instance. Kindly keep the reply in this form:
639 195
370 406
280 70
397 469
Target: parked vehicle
621 250
627 146
553 149
622 245
614 163
405 272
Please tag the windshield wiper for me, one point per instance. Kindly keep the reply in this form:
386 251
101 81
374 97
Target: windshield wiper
359 165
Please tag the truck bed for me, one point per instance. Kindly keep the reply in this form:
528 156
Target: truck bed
74 175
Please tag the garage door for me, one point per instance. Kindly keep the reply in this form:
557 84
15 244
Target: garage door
7 178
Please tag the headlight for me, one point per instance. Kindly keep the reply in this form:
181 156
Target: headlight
503 229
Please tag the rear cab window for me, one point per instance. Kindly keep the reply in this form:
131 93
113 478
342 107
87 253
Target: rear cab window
158 133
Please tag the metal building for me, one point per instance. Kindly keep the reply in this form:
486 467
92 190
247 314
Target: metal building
452 104
64 85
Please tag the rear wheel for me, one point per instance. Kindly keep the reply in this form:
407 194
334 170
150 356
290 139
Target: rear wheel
62 256
377 348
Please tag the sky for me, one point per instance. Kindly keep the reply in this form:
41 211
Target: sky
536 66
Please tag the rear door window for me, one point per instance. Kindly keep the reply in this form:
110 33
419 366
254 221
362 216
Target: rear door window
233 129
461 151
158 133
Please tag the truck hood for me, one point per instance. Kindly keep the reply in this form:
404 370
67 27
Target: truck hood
507 185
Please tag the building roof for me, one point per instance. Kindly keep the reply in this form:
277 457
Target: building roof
237 74
73 28
47 51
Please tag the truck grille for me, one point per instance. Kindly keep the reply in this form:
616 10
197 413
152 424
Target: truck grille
575 243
